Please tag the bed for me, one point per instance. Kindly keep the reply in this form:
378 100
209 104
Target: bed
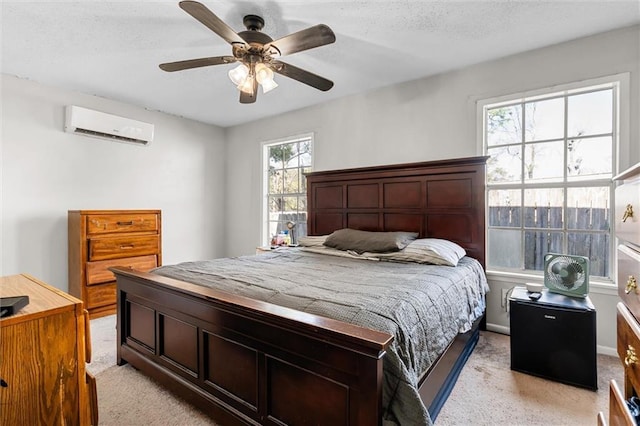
249 361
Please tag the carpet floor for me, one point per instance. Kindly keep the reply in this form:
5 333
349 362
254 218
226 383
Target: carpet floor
487 392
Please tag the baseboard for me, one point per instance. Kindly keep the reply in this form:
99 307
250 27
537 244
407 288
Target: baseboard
497 328
606 350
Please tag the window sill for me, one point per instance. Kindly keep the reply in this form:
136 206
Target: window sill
601 286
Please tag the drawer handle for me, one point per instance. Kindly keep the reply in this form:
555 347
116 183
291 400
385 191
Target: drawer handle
126 246
128 223
628 212
632 284
631 357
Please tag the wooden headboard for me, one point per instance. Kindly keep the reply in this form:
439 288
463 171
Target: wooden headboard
438 199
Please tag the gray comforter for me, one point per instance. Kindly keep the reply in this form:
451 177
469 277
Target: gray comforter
423 306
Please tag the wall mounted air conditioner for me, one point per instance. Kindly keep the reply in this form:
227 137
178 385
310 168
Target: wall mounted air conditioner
98 124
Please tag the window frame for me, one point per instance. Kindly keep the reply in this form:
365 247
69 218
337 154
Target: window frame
620 147
264 152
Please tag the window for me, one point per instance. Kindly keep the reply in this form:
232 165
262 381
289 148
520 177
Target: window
549 185
285 189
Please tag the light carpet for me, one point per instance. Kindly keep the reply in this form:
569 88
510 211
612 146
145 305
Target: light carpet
487 392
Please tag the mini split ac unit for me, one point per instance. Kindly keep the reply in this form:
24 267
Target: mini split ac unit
107 126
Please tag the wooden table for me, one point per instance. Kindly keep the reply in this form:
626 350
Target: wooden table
43 350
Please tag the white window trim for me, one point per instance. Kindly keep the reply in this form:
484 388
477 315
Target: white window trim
621 153
265 179
623 113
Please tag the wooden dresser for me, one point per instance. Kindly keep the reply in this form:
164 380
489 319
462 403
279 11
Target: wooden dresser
100 239
43 352
627 223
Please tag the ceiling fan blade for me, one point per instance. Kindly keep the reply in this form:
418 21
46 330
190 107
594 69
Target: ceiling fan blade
211 21
196 63
249 98
316 36
302 76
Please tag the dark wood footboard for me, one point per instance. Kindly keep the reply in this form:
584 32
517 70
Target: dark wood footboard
249 362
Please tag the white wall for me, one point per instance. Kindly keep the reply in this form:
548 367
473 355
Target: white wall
46 172
429 119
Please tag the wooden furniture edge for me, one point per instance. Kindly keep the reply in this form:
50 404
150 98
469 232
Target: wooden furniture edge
74 303
115 211
408 168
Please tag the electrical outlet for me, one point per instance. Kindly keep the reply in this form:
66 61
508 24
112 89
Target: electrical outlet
504 297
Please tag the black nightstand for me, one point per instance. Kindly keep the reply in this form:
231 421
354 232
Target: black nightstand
554 337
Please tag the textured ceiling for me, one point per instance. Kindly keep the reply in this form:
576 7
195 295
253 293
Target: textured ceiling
112 48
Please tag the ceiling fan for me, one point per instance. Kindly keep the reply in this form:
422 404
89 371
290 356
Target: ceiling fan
256 52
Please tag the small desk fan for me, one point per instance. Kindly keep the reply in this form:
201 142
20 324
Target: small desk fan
566 274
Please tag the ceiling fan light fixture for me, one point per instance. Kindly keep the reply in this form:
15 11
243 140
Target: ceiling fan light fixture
264 76
263 72
247 85
239 75
268 85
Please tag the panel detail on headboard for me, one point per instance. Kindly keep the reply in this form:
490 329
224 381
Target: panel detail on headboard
326 223
438 199
450 193
363 221
412 222
455 227
327 197
403 194
363 196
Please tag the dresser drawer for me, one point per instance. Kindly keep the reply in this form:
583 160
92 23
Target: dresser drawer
629 278
101 295
98 272
125 246
105 224
629 344
628 200
619 414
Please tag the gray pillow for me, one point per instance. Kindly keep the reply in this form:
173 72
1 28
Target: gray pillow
374 242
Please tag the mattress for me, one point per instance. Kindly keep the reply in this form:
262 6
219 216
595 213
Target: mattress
423 306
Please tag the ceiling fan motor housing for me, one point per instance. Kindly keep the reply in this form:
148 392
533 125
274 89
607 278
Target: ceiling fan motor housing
253 51
253 22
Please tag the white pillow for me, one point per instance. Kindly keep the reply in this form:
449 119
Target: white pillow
426 250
